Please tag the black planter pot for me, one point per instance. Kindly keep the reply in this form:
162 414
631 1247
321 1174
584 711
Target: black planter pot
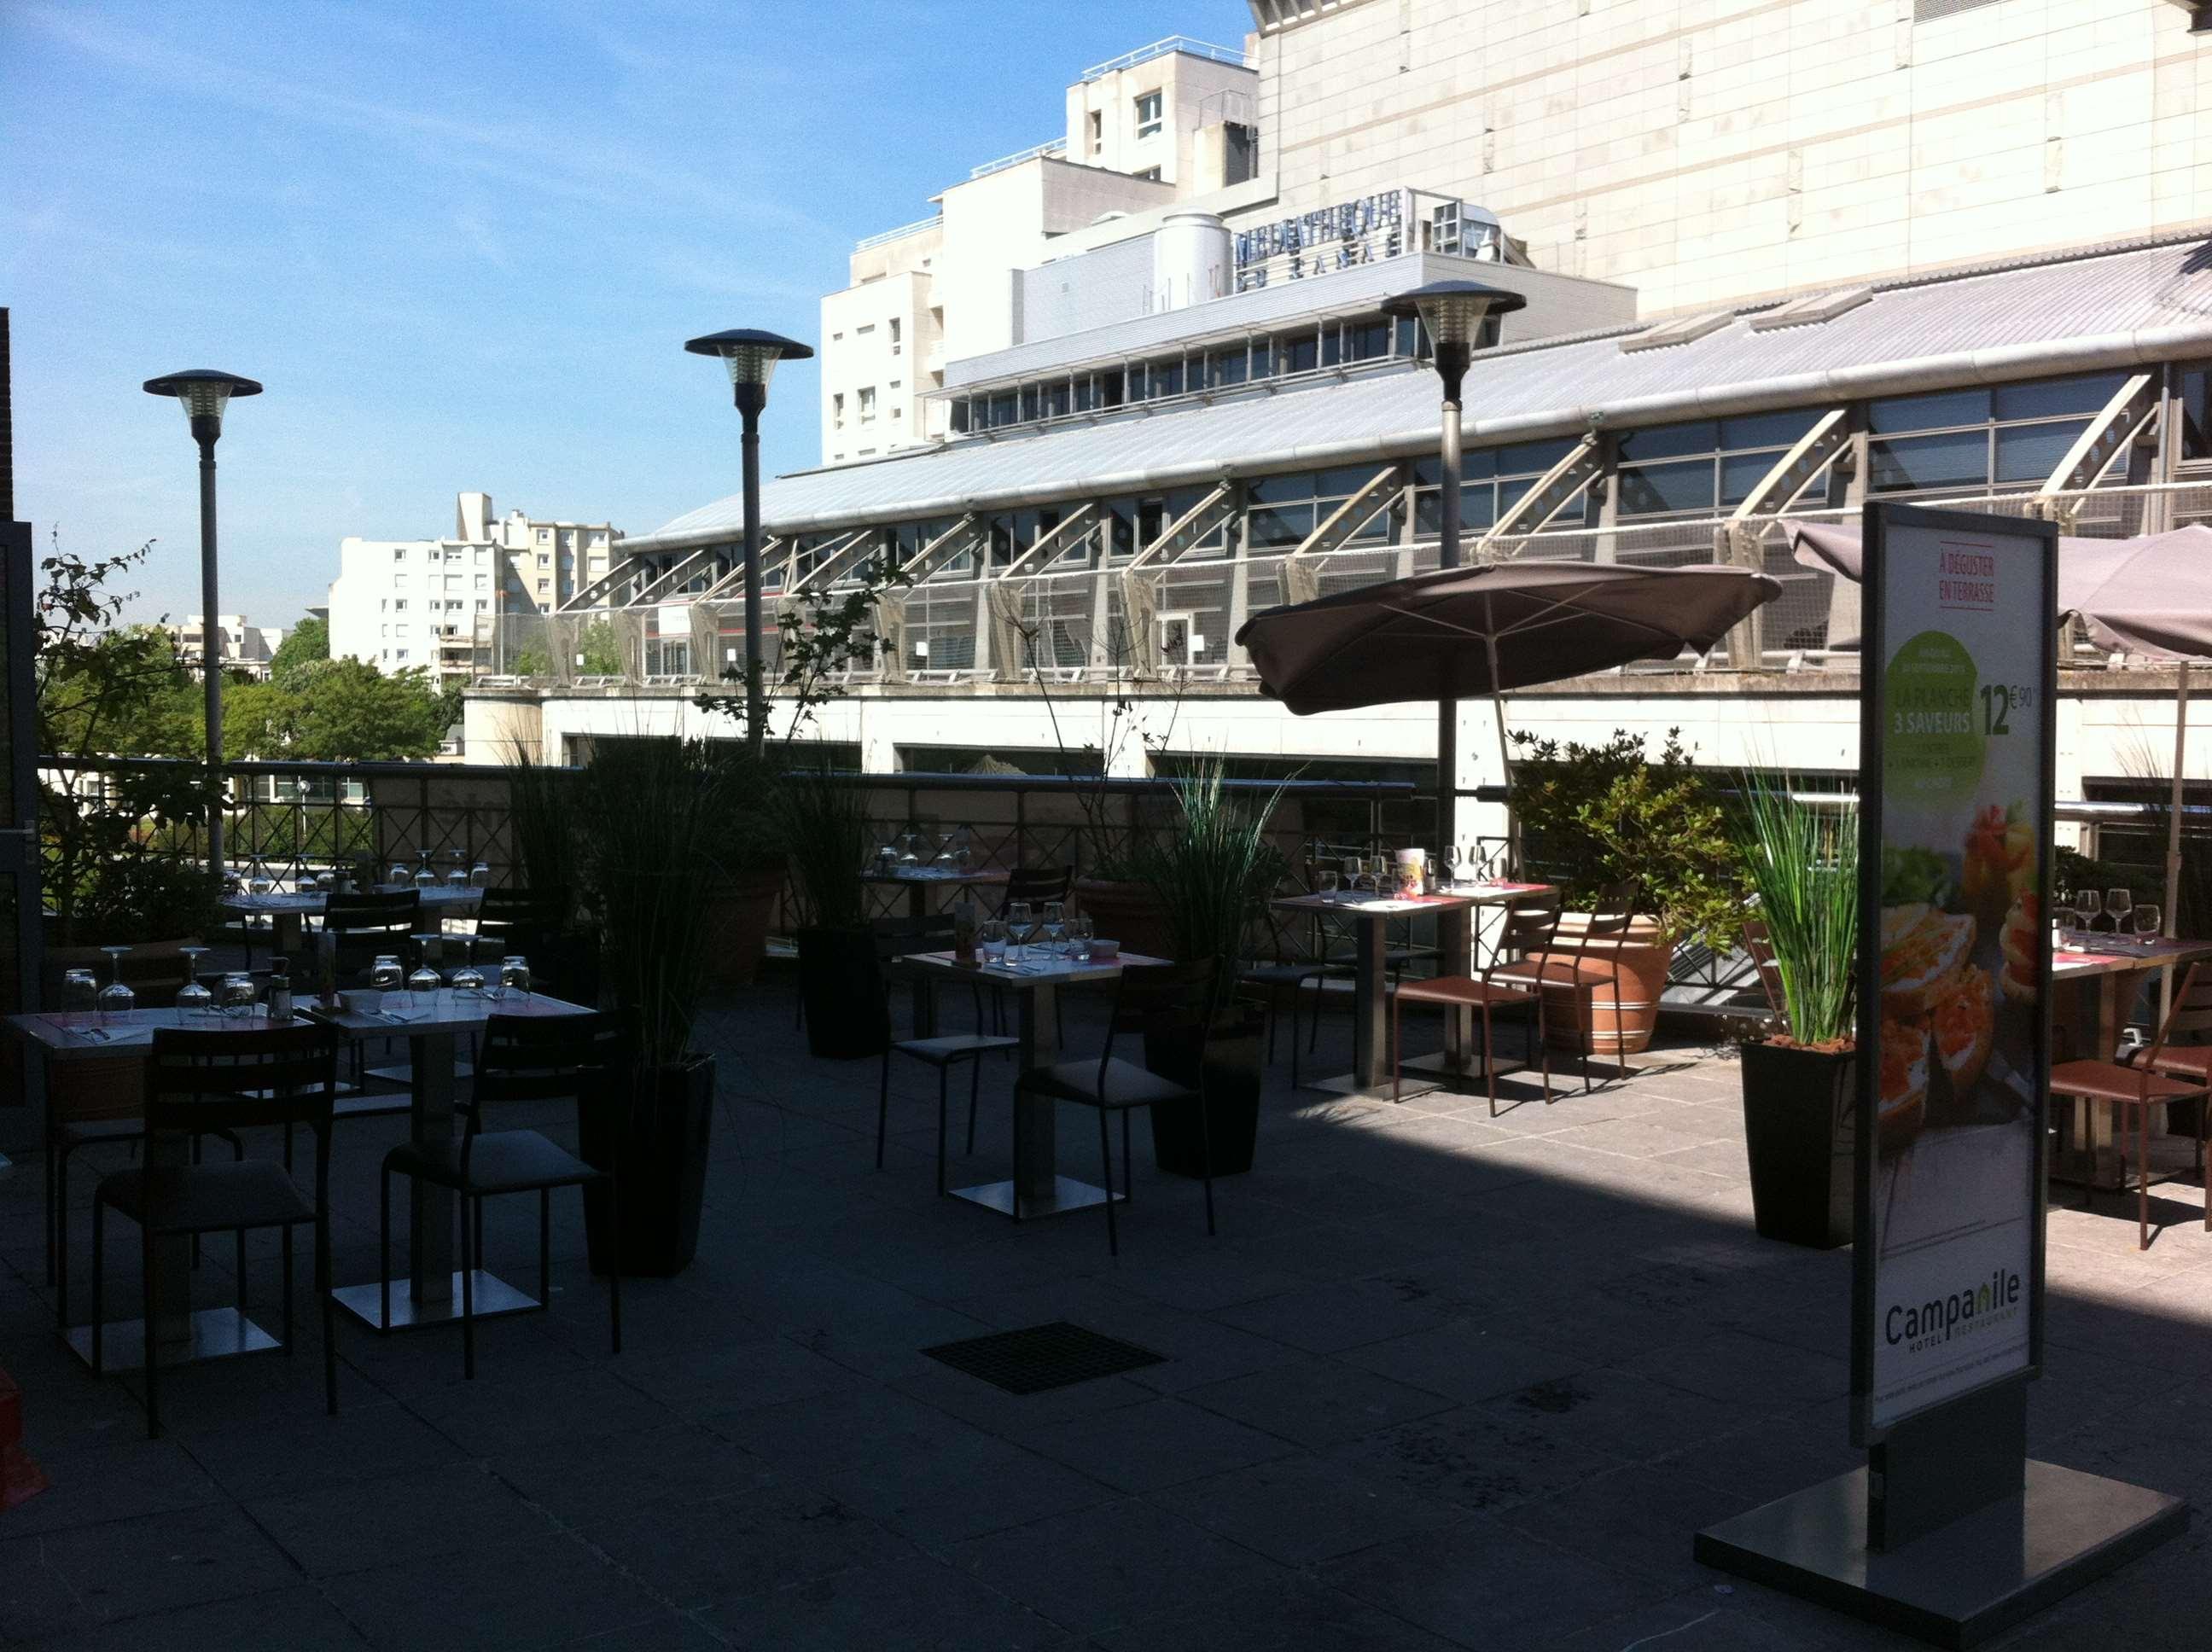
662 1151
842 986
1230 1051
1798 1134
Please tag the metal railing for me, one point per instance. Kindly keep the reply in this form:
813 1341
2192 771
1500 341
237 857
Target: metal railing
1161 48
1035 152
885 237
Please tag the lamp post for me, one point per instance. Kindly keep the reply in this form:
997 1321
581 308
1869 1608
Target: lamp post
751 356
204 394
1453 314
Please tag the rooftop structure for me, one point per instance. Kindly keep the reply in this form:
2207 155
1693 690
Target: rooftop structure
240 646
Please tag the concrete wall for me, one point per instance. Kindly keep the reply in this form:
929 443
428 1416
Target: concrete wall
859 353
1723 150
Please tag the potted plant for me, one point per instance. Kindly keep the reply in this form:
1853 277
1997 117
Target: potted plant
825 827
1592 817
652 815
1211 872
1799 1081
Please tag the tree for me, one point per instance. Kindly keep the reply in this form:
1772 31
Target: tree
306 642
348 711
601 653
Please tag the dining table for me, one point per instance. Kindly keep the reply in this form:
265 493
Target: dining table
1454 906
2095 980
433 1024
182 1334
1036 1188
918 880
288 910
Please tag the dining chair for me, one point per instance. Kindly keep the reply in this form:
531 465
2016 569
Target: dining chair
1284 973
583 1057
1036 885
1525 937
1147 998
896 937
370 922
201 1081
1758 946
2163 1072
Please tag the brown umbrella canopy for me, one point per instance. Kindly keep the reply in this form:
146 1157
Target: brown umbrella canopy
1436 636
2148 595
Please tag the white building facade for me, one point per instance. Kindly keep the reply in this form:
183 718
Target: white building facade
240 646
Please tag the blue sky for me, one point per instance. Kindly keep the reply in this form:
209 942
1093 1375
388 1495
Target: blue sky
462 246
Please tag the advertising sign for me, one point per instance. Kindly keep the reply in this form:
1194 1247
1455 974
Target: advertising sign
1955 792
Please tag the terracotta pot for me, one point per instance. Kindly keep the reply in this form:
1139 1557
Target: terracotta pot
1639 963
740 912
1127 910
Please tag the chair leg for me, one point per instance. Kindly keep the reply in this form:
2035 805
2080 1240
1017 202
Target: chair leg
1205 1160
326 1304
944 1081
99 1286
1294 1033
2142 1178
57 1238
882 1106
974 1086
384 1252
148 1282
544 1244
1489 1060
1128 1164
468 1296
1106 1159
614 1273
1397 1014
288 1338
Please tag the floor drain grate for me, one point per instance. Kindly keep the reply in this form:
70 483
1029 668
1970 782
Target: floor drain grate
1041 1356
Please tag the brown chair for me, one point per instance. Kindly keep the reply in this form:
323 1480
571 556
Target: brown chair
1524 942
1036 885
203 1082
1157 997
583 1057
2164 1072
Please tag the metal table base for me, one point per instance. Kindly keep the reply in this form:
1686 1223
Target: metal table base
1067 1194
215 1334
494 1297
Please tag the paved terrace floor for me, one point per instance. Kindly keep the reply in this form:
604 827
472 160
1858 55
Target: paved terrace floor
1440 1383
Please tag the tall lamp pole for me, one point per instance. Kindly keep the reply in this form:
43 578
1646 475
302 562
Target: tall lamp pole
204 394
1453 313
751 356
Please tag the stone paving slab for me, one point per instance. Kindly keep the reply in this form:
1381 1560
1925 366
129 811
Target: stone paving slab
1442 1381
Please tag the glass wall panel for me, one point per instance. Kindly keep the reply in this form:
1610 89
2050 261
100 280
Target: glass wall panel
1946 408
2054 397
1960 460
2029 452
1684 485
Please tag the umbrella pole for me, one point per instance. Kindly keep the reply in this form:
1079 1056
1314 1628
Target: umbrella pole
1504 756
2173 831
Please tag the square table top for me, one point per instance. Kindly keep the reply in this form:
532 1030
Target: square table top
930 875
435 895
1401 906
2105 957
446 1011
1035 971
66 1034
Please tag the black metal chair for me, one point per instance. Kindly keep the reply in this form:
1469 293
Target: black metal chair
523 920
203 1082
943 1051
586 1057
1036 885
366 924
1149 997
1284 975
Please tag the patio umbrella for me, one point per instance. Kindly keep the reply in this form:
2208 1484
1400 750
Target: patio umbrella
2148 595
1465 631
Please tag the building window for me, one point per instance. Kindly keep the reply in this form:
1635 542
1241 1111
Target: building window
1703 465
894 338
1148 114
399 553
1152 173
2195 395
399 604
1495 478
868 404
545 535
400 653
1285 509
1098 131
863 332
543 585
1979 439
837 410
545 560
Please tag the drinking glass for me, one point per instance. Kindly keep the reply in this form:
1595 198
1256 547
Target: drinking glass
991 940
1325 878
257 880
81 994
480 875
1080 929
2065 919
468 980
514 974
116 1002
192 955
1055 928
397 877
909 857
887 858
2086 903
238 995
1378 868
114 963
194 1001
2119 902
384 974
457 875
426 875
1020 926
2147 918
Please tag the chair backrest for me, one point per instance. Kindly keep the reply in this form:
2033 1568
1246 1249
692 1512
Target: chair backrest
397 914
897 937
1530 927
1036 884
539 911
212 1079
1759 945
534 1058
2190 1012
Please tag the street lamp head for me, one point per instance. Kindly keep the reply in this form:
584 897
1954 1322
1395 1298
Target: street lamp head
750 355
204 394
1454 313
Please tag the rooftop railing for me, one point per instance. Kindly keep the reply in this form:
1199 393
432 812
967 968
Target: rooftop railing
1173 43
884 238
1036 151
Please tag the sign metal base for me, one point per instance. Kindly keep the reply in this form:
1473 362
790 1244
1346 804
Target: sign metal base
1958 1585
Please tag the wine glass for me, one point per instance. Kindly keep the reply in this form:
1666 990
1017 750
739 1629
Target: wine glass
116 1003
397 877
1021 925
514 974
1055 928
2119 902
194 1001
2147 919
480 875
2086 903
468 980
1325 880
257 880
991 940
80 993
426 875
909 857
887 858
1080 930
238 995
457 872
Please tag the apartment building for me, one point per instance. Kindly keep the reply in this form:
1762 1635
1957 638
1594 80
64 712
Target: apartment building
240 646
